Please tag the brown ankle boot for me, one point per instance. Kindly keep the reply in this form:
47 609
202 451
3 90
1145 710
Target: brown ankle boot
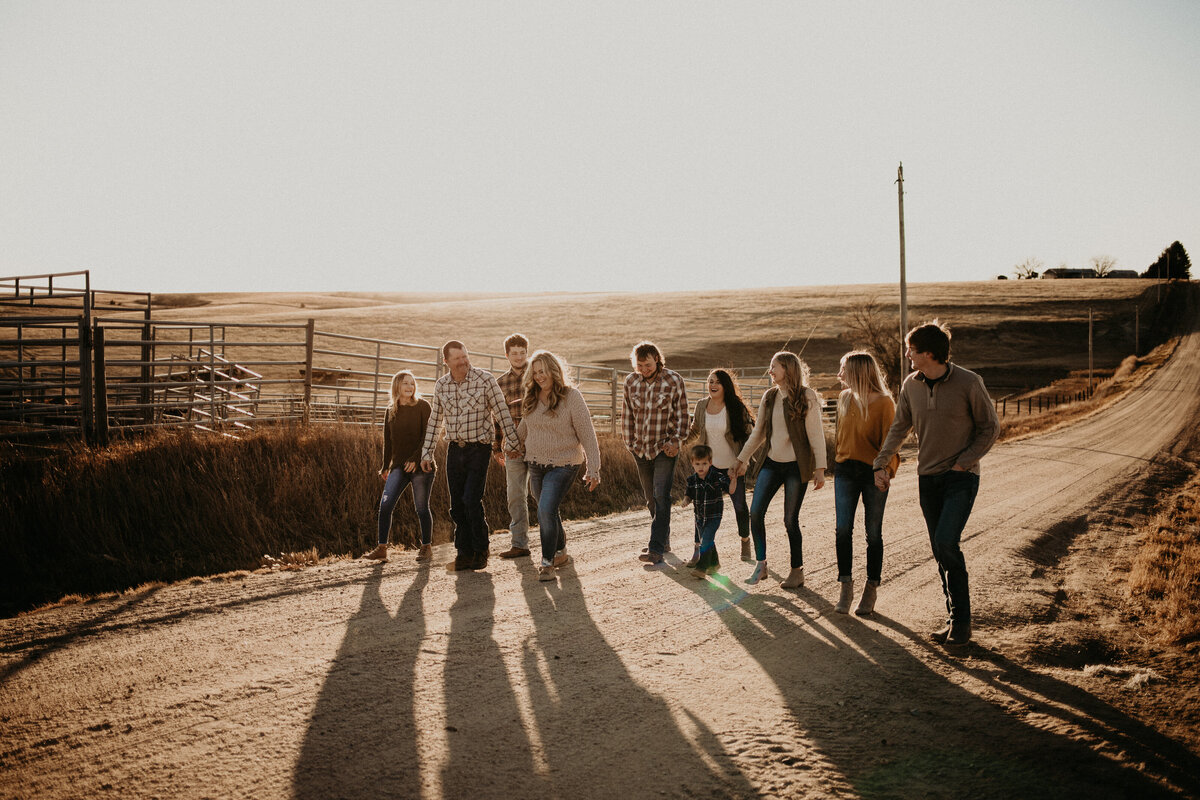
867 604
846 598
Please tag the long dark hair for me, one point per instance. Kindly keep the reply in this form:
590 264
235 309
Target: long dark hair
741 418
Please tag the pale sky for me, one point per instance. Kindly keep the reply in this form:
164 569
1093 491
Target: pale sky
560 145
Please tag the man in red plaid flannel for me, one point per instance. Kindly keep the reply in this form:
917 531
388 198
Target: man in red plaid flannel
653 424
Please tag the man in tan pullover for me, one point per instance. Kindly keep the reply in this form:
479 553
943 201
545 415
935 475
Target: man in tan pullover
956 424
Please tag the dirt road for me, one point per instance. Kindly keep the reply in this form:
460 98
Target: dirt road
619 680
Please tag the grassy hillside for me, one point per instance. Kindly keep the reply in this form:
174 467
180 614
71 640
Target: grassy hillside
1018 333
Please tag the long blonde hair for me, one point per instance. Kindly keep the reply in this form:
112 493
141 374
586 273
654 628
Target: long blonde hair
559 383
394 389
863 378
795 382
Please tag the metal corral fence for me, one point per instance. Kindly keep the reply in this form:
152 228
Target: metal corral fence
83 373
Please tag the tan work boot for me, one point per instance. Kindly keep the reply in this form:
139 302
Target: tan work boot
794 580
846 598
867 604
379 553
425 553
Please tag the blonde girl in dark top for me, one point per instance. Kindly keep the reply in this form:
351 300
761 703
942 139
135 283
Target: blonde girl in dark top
403 433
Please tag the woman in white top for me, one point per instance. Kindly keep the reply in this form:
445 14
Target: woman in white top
556 429
789 424
723 421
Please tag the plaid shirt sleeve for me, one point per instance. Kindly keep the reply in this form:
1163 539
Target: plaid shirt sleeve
627 433
678 426
434 423
499 407
510 385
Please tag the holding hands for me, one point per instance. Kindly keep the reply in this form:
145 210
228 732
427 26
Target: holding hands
883 481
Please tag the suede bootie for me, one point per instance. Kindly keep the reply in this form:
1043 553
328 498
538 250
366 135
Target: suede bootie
845 598
760 572
747 550
794 580
866 605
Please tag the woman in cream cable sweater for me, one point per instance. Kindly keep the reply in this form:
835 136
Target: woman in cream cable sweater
556 428
789 424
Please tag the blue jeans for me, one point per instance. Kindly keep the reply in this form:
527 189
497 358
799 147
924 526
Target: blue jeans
771 476
852 480
466 475
946 502
549 485
656 475
393 487
740 511
706 535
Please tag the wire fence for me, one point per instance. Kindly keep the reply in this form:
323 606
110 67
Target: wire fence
75 372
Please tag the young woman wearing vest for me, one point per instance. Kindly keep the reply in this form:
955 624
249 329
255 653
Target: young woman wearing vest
789 425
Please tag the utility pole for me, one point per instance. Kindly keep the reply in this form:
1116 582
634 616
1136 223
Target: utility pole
1136 325
1089 351
903 281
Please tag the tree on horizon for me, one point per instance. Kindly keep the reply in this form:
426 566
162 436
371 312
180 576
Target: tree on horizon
1172 264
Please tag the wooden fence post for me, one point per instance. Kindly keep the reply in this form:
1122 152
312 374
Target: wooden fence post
85 379
308 364
101 388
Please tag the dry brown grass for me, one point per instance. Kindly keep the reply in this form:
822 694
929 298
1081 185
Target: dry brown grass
175 505
1166 570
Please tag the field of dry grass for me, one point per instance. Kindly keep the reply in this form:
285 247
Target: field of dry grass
1166 570
1019 334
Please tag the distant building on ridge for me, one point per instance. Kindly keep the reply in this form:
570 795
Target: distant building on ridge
1064 272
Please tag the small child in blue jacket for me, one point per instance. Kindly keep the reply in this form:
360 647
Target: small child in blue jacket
704 490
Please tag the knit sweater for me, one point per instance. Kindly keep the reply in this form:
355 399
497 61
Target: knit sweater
563 436
954 418
403 433
859 437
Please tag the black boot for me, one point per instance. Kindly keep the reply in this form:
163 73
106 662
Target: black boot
960 607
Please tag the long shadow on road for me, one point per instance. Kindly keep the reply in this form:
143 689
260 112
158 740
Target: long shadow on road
362 738
602 734
893 726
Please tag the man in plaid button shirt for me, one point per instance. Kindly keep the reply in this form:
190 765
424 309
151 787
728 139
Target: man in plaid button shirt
467 403
654 422
516 471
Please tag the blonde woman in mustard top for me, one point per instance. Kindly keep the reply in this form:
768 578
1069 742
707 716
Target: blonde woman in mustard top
865 412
